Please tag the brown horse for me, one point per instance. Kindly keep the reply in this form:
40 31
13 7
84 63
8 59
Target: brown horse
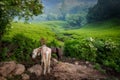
57 51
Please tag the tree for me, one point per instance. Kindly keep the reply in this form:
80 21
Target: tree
103 10
63 10
21 8
74 20
52 16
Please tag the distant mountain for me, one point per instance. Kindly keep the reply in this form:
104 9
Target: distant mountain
56 8
51 6
104 10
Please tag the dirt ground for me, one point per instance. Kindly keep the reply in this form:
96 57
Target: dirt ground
110 74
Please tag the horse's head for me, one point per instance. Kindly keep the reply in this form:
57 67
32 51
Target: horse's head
57 51
54 50
36 52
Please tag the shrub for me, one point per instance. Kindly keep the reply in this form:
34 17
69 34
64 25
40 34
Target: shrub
74 20
81 49
53 43
105 52
20 49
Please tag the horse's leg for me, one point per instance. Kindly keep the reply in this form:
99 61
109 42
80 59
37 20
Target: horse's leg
45 66
49 57
42 61
58 54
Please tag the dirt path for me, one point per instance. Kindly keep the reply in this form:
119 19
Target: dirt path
71 69
67 69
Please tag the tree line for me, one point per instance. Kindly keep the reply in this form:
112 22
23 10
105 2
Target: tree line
104 10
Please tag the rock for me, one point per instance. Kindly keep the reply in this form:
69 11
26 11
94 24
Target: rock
19 69
6 68
87 62
91 66
2 78
76 63
54 60
25 77
65 67
37 69
67 71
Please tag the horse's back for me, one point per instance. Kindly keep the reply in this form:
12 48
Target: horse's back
46 49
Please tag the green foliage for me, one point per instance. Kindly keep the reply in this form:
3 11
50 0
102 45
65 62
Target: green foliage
105 52
103 49
98 67
22 50
104 10
74 20
82 49
52 17
34 31
16 77
21 8
53 43
25 47
109 29
4 53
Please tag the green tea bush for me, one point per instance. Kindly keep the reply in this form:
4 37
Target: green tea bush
81 49
25 47
105 52
3 55
53 43
21 48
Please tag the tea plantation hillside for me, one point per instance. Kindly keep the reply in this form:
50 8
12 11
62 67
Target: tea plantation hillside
51 29
24 37
97 42
103 30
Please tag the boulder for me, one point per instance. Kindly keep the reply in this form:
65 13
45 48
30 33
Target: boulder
25 77
6 68
67 71
53 60
19 69
36 69
2 78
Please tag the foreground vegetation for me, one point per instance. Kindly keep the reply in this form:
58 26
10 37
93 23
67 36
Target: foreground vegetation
97 42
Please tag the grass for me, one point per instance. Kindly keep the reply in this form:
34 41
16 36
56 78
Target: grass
105 30
50 29
34 30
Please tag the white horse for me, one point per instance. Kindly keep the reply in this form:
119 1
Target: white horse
45 53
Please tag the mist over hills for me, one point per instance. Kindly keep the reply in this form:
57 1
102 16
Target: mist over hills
56 9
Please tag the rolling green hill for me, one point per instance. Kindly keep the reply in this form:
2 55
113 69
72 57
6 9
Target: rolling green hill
35 30
51 29
103 30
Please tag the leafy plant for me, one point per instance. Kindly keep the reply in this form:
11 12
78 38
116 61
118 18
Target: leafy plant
105 52
23 48
9 9
74 20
